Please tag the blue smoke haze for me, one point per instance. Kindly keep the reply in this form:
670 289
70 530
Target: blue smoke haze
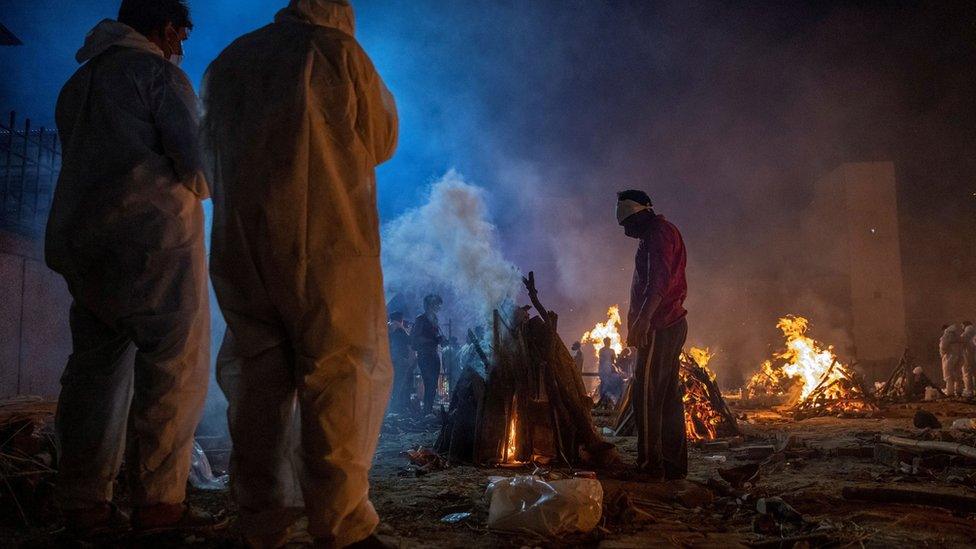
726 112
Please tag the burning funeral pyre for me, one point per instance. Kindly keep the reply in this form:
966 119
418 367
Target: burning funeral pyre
808 376
532 406
707 416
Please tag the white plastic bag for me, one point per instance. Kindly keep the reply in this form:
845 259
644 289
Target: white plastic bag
964 424
201 475
545 508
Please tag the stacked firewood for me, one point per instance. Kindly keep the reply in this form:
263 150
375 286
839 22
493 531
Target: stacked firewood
28 454
533 406
840 391
707 416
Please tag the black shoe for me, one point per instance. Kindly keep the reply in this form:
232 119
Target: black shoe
95 521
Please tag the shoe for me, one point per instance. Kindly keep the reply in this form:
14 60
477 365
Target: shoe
95 521
164 517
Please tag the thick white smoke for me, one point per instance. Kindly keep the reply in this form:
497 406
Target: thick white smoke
448 246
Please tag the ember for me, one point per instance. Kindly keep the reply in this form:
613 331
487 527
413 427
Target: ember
707 416
705 410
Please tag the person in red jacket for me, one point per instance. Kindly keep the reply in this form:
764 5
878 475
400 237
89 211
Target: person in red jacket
657 327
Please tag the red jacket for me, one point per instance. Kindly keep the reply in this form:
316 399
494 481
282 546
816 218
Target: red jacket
659 270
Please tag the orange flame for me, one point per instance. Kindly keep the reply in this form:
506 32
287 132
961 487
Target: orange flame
701 419
511 441
807 363
610 328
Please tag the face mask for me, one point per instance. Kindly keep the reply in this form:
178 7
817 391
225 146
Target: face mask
176 57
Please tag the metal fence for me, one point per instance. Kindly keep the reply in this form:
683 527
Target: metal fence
30 160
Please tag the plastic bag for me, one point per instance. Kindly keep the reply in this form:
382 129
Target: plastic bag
545 508
964 424
201 475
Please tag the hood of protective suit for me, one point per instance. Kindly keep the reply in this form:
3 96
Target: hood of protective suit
108 33
336 14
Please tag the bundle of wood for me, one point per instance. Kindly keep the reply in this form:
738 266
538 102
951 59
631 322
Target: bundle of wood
840 391
533 406
707 415
28 454
902 385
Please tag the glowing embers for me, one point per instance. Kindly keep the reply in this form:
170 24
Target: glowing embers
610 328
707 416
808 375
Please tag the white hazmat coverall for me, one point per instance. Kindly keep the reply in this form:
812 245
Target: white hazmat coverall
296 120
951 350
126 232
969 360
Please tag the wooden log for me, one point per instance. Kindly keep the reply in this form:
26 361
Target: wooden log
573 403
895 374
496 406
473 340
948 447
952 502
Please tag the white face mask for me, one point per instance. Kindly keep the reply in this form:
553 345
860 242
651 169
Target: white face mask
178 54
627 208
177 58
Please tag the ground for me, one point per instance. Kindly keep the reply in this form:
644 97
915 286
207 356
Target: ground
824 455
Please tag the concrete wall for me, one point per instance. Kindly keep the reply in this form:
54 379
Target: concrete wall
35 339
854 236
877 287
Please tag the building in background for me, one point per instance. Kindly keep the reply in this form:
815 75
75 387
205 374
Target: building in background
856 243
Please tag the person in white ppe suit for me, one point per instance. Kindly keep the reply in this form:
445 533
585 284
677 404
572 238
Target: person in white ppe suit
126 232
296 120
951 350
969 358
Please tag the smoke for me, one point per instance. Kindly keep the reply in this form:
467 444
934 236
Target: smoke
727 113
448 246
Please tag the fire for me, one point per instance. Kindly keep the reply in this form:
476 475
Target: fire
511 441
701 419
806 358
801 366
701 357
611 329
811 372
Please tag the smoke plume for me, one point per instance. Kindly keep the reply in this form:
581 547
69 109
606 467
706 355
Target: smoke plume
448 246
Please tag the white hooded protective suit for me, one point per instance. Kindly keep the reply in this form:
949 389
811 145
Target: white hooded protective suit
296 120
951 350
126 232
968 359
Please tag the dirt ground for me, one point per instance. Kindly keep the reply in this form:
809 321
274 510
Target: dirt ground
681 513
823 456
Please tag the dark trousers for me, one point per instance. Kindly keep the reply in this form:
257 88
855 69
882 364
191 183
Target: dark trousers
402 385
662 448
430 370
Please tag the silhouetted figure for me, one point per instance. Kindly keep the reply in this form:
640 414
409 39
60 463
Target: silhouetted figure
427 339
